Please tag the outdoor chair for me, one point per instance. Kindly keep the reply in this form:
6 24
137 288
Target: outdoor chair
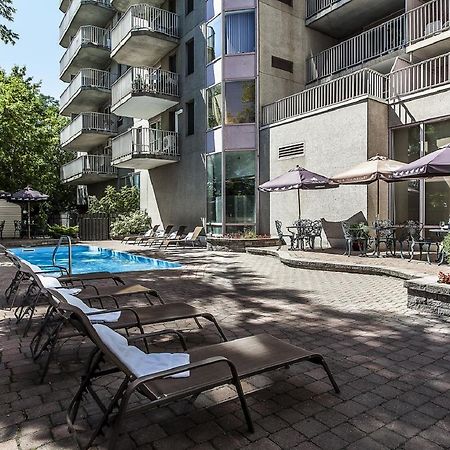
18 228
384 233
135 239
2 227
147 241
314 232
56 326
302 237
161 379
354 237
415 230
281 235
176 235
191 238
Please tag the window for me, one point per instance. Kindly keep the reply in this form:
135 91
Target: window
190 118
240 169
214 105
282 64
190 57
189 6
240 32
214 190
240 102
214 39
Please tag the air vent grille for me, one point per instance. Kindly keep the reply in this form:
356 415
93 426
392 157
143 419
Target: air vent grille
290 151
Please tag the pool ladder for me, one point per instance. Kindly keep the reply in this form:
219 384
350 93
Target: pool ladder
69 243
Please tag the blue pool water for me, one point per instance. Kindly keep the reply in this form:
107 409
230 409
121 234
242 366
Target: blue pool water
88 259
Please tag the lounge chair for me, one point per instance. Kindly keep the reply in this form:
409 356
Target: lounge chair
174 236
136 238
56 321
165 378
149 240
190 239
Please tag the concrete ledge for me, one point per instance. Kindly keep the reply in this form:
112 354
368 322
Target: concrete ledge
239 245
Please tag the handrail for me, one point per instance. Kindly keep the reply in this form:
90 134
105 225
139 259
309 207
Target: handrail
69 242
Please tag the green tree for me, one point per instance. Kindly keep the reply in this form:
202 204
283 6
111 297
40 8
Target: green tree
30 153
125 201
7 12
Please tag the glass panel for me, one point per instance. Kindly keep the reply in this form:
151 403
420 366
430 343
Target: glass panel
437 190
240 187
240 32
240 102
214 100
214 39
214 188
406 193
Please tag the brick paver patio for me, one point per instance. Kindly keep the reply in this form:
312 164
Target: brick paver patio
392 364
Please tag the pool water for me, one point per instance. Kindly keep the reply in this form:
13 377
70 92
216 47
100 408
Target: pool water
88 259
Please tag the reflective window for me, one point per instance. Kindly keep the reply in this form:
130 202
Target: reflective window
214 189
240 102
214 103
240 32
214 39
240 187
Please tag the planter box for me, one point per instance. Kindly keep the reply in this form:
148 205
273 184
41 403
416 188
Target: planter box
239 245
428 295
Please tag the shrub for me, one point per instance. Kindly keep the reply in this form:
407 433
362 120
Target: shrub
57 231
446 246
124 201
134 223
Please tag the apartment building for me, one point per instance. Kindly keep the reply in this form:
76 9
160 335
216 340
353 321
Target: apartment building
379 85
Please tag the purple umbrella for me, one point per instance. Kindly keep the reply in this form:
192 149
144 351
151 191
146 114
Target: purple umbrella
435 164
28 195
298 178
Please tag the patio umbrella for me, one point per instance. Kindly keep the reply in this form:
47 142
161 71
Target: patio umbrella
298 178
435 164
4 194
28 195
374 169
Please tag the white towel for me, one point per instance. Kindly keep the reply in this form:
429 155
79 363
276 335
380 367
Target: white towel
74 301
53 283
138 362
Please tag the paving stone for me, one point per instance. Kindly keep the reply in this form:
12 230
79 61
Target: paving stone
329 441
310 427
419 443
388 437
348 432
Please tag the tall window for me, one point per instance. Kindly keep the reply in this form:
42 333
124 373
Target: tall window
240 102
239 32
189 6
190 118
214 39
190 57
214 192
214 105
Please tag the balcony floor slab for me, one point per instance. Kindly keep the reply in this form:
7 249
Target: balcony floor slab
88 55
123 5
88 139
87 99
89 178
435 45
143 105
143 162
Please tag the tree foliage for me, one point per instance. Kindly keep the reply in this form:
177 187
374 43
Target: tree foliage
7 12
125 201
29 139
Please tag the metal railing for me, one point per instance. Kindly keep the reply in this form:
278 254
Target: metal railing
431 18
96 164
86 78
314 7
90 121
88 34
418 77
73 9
365 82
373 43
145 142
55 251
145 17
145 80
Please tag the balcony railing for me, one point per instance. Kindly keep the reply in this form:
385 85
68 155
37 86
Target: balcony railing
145 80
418 77
365 82
431 18
72 10
99 37
86 78
371 44
87 164
89 122
145 17
314 7
145 142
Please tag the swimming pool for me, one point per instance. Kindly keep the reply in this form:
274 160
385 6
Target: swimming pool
88 259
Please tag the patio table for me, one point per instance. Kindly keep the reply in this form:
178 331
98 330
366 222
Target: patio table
378 231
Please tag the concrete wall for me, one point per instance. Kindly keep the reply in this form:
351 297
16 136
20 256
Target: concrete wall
334 141
9 212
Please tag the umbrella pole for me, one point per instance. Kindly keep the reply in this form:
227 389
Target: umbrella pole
299 209
29 218
378 198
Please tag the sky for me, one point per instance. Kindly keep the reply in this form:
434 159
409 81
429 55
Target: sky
37 23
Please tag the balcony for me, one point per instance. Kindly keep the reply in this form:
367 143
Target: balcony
88 130
364 83
88 169
145 148
341 18
86 92
64 5
123 5
144 27
90 47
81 12
144 92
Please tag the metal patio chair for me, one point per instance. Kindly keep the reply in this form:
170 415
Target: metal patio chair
281 235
